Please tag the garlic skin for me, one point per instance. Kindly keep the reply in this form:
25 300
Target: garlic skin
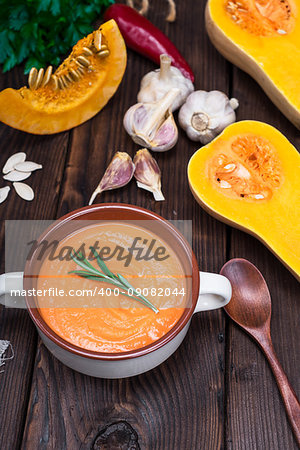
205 115
118 174
147 173
156 84
152 125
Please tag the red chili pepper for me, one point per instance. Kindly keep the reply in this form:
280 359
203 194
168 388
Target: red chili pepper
145 38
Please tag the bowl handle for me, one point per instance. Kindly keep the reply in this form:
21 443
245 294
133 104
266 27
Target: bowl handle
215 291
10 284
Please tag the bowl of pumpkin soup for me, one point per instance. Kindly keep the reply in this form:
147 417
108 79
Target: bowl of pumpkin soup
112 289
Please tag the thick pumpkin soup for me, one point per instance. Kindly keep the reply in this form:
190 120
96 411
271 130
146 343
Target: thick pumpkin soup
93 314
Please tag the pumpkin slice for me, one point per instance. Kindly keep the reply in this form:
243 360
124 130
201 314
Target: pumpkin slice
248 177
262 38
79 88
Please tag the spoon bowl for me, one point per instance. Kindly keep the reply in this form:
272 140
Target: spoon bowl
250 304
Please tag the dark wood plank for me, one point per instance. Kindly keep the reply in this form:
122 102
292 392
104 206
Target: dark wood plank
180 403
255 414
15 325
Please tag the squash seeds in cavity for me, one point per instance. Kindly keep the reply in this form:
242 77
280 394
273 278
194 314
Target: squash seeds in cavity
47 76
97 40
74 75
24 191
86 51
4 193
83 61
12 161
27 166
103 53
39 79
54 82
15 175
32 77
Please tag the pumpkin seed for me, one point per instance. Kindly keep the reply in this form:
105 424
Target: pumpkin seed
229 168
27 166
74 75
15 175
32 77
103 54
97 40
80 69
86 51
47 76
54 82
69 78
39 79
4 193
24 191
83 61
64 81
60 83
14 159
104 47
224 184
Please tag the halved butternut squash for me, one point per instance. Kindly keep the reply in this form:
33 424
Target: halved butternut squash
80 87
248 177
262 38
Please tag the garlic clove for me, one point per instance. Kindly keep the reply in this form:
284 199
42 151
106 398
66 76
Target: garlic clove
147 173
4 193
12 161
118 174
15 175
166 136
144 123
27 166
215 102
213 123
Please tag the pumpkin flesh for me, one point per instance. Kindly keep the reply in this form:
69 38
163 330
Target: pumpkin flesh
248 177
261 37
48 110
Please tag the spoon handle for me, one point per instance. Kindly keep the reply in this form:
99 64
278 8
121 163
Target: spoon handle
288 395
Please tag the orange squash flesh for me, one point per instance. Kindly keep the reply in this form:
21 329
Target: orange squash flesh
262 38
248 177
47 110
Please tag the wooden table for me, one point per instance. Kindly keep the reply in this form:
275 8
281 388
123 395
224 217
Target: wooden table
217 390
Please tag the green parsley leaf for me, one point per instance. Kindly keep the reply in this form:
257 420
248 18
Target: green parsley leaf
41 32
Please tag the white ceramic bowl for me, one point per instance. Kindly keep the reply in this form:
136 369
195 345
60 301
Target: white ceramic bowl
208 291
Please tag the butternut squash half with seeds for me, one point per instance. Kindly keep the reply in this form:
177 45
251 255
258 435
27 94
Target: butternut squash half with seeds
248 177
262 37
79 88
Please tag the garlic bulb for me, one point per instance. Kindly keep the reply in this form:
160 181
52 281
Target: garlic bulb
205 114
156 84
152 124
118 174
147 173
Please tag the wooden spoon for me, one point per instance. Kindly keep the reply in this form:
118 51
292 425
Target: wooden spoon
250 307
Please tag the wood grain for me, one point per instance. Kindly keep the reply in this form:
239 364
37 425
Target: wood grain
184 403
253 401
180 403
15 325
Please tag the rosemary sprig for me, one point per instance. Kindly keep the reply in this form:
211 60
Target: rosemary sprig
106 276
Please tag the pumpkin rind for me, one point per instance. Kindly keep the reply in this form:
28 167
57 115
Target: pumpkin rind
273 60
47 111
275 220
